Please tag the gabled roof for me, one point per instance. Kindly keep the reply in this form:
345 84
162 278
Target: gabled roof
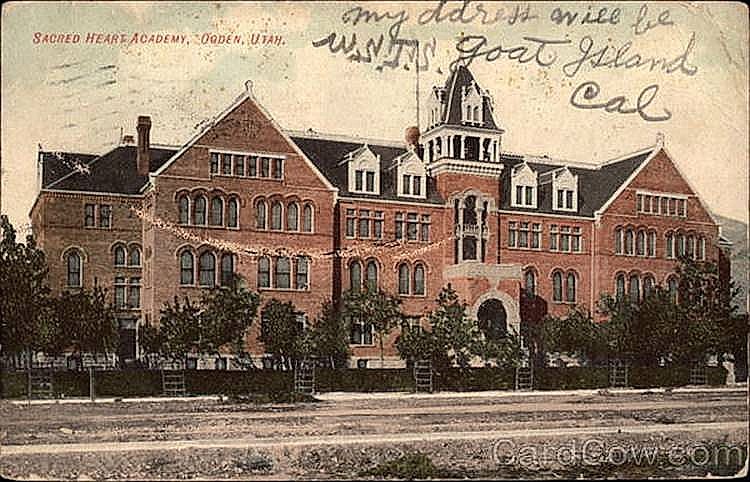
596 185
327 155
113 172
55 165
460 78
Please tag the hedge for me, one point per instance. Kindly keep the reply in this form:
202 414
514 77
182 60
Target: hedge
128 383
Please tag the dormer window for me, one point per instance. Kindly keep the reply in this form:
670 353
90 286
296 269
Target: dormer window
412 176
471 101
364 171
524 182
565 189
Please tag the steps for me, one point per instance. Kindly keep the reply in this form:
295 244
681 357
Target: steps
524 378
618 374
698 375
423 376
304 377
173 383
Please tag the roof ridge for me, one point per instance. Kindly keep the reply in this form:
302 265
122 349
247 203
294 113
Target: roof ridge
312 134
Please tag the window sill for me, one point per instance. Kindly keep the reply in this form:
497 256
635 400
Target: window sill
254 178
409 295
208 226
289 290
570 303
521 248
362 345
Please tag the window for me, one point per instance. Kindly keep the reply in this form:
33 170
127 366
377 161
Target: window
403 279
640 244
670 245
186 268
239 165
226 164
252 166
214 163
302 280
351 219
292 217
680 245
217 211
105 215
629 240
570 288
355 275
370 181
264 167
88 215
135 256
565 199
417 185
282 274
690 246
419 287
307 218
565 238
618 241
512 234
73 263
227 269
199 211
702 249
575 240
424 228
634 289
134 293
648 286
361 333
278 168
276 215
411 226
661 204
358 180
536 235
119 256
232 213
651 244
620 286
120 287
184 208
529 279
553 235
406 183
523 235
207 269
681 207
399 229
364 223
672 286
260 214
557 287
377 225
264 272
372 275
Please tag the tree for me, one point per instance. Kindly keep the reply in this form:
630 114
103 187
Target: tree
330 336
180 327
280 332
89 320
376 308
228 312
24 301
575 335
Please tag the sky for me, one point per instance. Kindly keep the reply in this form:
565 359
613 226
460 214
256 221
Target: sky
80 96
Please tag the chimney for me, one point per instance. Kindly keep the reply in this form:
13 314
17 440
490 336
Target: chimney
128 140
143 153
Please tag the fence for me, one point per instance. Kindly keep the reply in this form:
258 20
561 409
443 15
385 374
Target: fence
129 383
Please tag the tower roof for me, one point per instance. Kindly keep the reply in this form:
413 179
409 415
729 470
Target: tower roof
461 79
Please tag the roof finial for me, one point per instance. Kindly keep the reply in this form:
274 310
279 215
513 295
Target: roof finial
660 139
249 86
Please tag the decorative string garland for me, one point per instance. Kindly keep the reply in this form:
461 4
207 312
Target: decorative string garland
395 249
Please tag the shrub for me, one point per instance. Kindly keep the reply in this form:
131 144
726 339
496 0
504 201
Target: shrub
410 466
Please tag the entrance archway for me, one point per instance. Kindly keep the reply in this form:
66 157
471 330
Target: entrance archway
493 319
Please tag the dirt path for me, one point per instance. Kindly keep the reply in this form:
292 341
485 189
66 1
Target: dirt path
364 439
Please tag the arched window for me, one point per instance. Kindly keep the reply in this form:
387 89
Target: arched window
640 244
648 286
207 269
184 206
292 217
260 214
530 282
134 258
691 246
276 215
476 114
634 289
629 241
227 269
264 272
302 281
403 279
199 211
355 275
702 249
680 244
672 286
282 273
651 244
557 287
419 288
119 256
307 218
670 245
73 262
618 241
233 210
217 211
570 288
187 265
372 275
620 286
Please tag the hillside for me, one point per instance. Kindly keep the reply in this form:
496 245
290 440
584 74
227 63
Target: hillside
736 232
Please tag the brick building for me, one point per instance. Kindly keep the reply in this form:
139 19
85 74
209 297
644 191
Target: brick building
150 222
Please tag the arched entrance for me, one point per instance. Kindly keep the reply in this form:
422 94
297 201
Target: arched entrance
493 319
511 318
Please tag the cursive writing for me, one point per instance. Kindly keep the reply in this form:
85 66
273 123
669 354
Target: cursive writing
471 47
643 25
585 97
478 14
602 16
